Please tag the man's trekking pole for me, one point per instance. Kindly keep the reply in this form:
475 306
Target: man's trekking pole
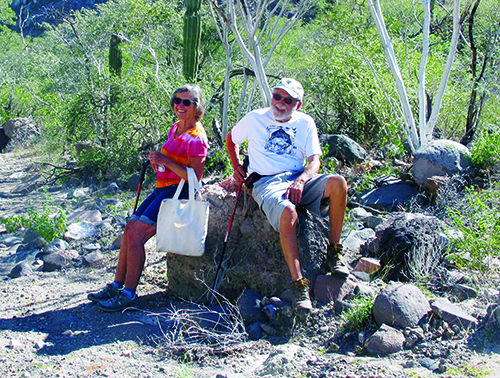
141 180
238 192
214 288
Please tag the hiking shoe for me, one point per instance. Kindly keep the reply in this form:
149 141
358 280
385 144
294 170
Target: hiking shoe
335 264
107 293
119 302
300 295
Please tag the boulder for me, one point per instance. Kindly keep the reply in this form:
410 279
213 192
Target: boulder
22 269
400 305
343 148
20 128
390 197
440 158
453 315
253 258
331 289
4 139
385 341
80 231
406 244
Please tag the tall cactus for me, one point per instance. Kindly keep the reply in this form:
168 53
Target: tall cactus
115 55
192 37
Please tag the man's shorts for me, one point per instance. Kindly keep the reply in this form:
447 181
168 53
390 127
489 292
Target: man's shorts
269 193
149 209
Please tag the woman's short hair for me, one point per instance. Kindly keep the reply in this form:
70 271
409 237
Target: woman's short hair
197 96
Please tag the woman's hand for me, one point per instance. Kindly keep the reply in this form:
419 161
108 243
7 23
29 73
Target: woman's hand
156 158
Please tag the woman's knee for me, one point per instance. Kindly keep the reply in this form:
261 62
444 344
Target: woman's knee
138 232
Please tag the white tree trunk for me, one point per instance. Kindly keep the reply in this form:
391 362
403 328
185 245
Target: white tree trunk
257 29
447 69
410 128
422 114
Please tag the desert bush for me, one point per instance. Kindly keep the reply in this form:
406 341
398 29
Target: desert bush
360 317
477 219
47 223
485 152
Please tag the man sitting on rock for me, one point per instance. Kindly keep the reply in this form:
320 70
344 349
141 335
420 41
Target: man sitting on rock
280 140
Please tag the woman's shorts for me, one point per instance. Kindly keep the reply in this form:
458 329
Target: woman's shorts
269 193
148 211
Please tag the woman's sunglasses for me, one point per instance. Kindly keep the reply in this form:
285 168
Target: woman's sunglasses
185 102
287 100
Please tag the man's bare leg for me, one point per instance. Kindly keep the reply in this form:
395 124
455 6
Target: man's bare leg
336 191
288 239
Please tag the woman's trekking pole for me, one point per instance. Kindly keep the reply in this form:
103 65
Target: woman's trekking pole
141 180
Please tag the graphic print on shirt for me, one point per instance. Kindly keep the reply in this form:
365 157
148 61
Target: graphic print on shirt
281 140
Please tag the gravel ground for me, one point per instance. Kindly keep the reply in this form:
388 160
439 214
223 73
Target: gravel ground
49 329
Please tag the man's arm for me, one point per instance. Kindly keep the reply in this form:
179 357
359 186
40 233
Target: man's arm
234 154
294 192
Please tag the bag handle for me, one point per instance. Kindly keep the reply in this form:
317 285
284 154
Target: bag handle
193 183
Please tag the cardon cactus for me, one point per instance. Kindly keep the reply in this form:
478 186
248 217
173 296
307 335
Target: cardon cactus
115 55
192 36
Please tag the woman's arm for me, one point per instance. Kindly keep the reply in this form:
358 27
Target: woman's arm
195 162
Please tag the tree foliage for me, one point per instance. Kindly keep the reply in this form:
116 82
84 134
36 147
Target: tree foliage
63 79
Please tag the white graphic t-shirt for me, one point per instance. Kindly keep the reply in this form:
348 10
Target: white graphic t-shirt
276 147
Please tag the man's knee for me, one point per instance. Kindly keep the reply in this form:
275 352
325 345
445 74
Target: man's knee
288 216
336 186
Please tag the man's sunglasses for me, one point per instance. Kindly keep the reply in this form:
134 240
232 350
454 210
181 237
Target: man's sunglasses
185 102
287 100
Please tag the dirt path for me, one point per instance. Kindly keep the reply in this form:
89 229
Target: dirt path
49 329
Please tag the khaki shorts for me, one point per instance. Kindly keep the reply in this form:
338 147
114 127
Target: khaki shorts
269 193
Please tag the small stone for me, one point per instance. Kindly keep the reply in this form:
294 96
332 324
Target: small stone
15 344
333 348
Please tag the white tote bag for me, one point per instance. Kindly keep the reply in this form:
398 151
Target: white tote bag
182 224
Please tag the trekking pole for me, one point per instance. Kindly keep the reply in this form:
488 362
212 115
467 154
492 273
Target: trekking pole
214 288
238 192
141 180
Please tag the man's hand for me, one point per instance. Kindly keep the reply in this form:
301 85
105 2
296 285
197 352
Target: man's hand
239 174
294 191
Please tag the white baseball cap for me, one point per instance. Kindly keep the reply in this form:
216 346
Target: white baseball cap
292 87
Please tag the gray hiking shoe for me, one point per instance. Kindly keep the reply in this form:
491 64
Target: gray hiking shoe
334 262
107 293
119 302
300 295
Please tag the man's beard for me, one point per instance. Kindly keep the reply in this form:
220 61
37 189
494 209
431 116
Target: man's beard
283 115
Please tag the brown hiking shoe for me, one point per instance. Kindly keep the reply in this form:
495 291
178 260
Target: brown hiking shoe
333 254
300 295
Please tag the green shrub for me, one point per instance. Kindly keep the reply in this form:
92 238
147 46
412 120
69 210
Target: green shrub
47 224
478 221
486 149
360 317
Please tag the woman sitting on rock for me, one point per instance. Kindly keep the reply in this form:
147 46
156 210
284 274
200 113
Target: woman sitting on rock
187 146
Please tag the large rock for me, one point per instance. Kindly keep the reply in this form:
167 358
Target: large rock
343 148
390 194
20 128
453 314
407 244
385 341
4 139
400 305
440 158
253 257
